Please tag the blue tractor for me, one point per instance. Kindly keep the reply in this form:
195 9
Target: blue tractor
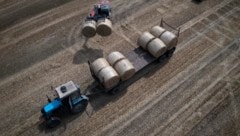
68 97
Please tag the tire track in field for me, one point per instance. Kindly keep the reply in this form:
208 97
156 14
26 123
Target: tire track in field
176 124
26 10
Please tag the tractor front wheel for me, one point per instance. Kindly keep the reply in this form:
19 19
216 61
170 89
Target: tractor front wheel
53 122
79 107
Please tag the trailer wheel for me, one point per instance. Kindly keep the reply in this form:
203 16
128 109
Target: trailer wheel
79 107
170 52
53 122
113 91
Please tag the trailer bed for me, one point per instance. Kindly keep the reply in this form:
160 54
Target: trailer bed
139 58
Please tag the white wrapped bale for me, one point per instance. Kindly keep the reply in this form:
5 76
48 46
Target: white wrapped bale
89 28
109 77
157 47
114 57
125 69
98 65
157 31
104 27
144 39
169 39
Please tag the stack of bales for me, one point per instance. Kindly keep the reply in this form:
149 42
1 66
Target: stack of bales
102 27
121 64
154 45
167 37
110 71
105 73
158 41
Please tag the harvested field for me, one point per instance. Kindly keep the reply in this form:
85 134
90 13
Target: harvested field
196 92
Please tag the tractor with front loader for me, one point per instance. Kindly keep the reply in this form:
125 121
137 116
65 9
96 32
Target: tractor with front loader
98 21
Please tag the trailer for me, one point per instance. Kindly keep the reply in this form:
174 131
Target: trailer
139 57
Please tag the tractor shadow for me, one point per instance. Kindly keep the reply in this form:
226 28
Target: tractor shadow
100 100
86 54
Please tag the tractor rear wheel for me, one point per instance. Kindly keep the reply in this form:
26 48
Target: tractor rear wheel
80 107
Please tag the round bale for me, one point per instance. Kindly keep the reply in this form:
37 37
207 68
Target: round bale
125 69
104 27
169 39
98 65
157 47
109 77
89 28
114 57
144 39
157 31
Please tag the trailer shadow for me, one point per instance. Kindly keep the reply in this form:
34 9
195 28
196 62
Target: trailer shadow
100 100
151 69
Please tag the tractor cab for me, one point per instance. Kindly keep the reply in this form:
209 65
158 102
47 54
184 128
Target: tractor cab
99 20
68 97
103 10
66 89
100 11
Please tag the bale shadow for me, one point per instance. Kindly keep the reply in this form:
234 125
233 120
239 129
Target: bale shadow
86 54
152 69
197 1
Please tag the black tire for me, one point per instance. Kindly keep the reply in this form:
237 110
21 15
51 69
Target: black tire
113 91
170 52
80 107
53 122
